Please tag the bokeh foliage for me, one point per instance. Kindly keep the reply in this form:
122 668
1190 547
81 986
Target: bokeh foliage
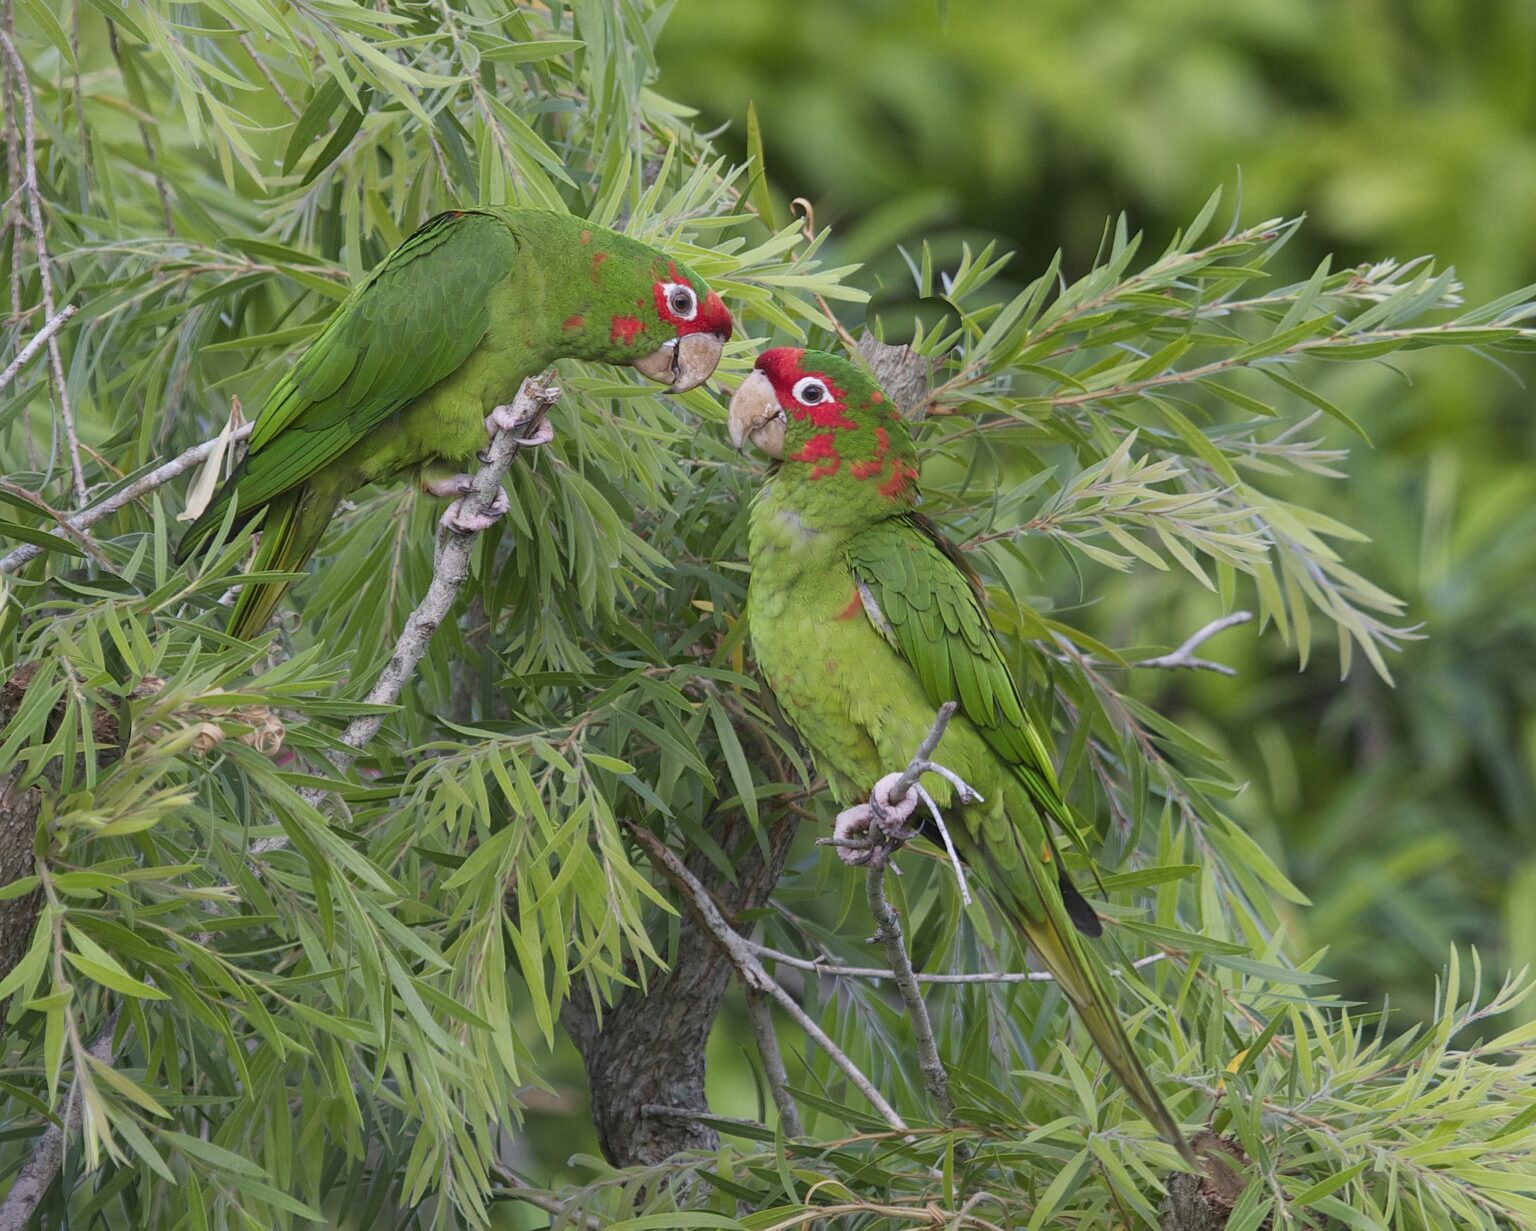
349 1028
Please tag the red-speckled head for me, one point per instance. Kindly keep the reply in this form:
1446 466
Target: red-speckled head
825 418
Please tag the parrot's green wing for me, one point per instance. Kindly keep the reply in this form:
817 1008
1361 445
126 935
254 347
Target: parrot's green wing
923 597
413 321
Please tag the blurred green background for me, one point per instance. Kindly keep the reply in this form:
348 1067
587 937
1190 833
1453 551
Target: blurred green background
1399 127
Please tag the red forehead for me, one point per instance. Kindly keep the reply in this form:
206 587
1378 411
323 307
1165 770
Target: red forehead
781 366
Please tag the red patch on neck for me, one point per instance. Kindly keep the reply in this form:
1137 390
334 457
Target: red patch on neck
572 322
855 605
586 237
821 449
864 470
597 264
896 485
624 329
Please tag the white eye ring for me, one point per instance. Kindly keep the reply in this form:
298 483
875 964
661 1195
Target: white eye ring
810 391
680 300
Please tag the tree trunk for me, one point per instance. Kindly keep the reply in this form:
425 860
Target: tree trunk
648 1046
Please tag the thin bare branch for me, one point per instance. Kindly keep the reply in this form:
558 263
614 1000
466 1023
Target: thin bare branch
34 201
143 485
752 973
39 340
272 82
450 570
888 931
835 970
518 1189
39 1171
1183 658
760 1014
924 752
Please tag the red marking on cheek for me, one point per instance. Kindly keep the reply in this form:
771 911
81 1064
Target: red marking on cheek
572 322
624 329
855 605
586 237
827 414
597 264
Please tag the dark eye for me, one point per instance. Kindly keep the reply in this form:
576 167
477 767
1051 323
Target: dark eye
681 300
810 392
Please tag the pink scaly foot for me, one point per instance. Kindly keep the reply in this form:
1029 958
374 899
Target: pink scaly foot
880 822
461 521
453 486
506 419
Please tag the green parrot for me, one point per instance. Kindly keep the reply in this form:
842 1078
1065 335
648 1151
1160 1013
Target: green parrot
865 620
418 363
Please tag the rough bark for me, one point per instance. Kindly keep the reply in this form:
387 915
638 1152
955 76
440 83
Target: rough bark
1204 1202
19 809
648 1046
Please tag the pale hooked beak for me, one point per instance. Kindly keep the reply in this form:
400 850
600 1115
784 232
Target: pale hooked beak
756 415
683 363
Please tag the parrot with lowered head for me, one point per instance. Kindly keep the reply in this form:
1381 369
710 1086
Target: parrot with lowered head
417 365
864 620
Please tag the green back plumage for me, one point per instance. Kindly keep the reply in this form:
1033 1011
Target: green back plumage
865 620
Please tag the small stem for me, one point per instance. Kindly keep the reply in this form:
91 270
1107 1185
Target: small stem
751 970
39 340
34 200
1183 658
450 570
760 1013
888 930
143 485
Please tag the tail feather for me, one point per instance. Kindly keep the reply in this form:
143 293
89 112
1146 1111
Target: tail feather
290 532
1062 954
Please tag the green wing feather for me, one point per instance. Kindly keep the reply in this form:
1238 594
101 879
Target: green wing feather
412 322
932 606
928 605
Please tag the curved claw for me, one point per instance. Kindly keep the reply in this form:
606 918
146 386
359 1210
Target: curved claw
890 818
852 824
461 521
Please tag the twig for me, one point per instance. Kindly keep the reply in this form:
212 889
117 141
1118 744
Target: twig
261 67
450 570
662 1112
60 519
874 972
760 1014
158 477
888 930
752 973
34 201
39 1171
924 752
1183 658
519 1189
39 340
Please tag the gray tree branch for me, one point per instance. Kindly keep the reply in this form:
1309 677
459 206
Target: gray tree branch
127 494
34 202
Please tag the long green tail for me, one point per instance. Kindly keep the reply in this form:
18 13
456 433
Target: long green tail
1061 952
290 532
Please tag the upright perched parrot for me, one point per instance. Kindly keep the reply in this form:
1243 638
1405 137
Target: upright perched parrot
865 620
438 337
